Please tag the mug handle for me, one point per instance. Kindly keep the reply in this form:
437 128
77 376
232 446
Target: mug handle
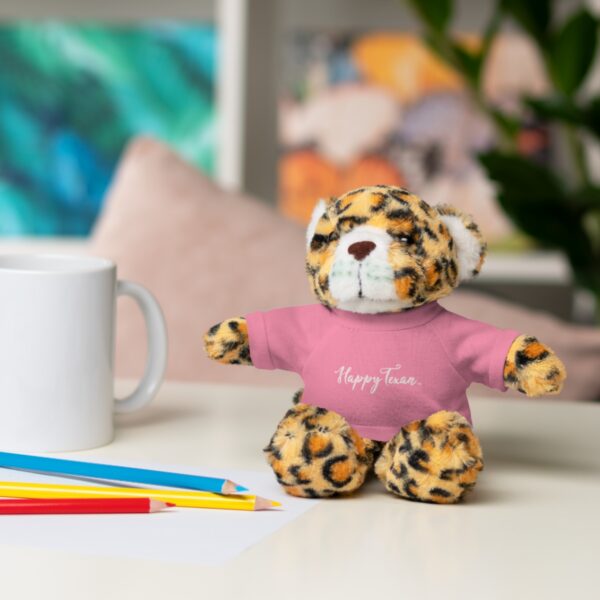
156 362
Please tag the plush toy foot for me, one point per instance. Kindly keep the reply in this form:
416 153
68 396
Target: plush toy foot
315 453
433 460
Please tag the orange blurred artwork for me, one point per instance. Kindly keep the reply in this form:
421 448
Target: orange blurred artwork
305 177
380 107
343 154
404 65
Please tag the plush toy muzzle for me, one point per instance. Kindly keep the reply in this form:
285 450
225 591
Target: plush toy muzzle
361 278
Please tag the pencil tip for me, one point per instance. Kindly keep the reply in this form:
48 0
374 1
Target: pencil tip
264 503
157 505
229 487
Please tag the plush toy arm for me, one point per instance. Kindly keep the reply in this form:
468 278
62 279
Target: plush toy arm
532 368
228 343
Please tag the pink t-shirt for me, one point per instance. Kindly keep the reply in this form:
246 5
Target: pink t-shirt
381 371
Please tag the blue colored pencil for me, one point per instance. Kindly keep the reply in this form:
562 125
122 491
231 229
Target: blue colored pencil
59 466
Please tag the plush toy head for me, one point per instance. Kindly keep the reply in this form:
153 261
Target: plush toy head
382 249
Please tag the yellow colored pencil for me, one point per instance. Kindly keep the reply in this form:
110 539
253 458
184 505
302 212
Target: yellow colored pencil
188 499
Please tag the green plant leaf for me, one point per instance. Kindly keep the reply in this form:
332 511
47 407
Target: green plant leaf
537 202
591 224
591 118
469 63
435 13
533 15
522 177
565 110
436 44
572 50
556 108
509 124
587 198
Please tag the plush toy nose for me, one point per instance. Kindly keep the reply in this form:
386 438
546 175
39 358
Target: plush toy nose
361 249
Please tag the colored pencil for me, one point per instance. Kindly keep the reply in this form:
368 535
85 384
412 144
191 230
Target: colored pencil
80 506
183 498
60 466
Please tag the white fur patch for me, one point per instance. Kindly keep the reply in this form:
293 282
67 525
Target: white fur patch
365 286
318 212
372 307
468 247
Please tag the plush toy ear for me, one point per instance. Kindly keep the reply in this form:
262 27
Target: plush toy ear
469 244
317 213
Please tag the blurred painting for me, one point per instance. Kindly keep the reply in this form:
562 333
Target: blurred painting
382 108
73 94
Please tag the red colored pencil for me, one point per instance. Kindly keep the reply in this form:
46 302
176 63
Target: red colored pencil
78 506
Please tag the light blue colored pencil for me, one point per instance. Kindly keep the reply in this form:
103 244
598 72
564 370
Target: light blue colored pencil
59 466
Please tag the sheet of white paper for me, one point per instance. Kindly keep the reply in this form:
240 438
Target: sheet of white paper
184 535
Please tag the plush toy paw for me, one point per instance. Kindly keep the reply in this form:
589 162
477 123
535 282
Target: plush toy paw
433 460
532 368
227 342
315 453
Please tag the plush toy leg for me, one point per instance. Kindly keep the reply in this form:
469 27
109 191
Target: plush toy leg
433 460
315 453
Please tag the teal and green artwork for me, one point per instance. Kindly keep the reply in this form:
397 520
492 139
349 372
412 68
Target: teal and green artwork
73 94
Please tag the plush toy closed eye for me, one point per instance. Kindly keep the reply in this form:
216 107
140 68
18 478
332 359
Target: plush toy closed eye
385 367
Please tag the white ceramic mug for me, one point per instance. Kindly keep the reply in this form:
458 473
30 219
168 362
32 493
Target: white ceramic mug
57 323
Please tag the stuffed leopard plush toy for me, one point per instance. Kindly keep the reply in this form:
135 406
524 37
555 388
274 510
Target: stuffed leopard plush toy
385 367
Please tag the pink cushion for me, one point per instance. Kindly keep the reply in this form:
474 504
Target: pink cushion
207 254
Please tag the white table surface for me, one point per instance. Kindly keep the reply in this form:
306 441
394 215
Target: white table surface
531 529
